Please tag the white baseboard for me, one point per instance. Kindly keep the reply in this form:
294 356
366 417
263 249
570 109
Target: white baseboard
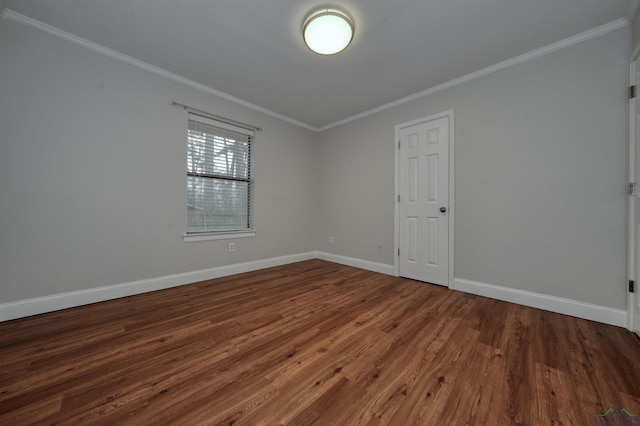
603 314
357 263
40 305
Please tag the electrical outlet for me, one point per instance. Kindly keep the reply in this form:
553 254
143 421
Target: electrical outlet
232 247
330 240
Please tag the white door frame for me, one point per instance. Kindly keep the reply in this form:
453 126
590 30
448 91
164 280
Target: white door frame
631 225
450 115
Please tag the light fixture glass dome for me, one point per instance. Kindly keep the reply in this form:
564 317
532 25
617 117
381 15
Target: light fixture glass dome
327 31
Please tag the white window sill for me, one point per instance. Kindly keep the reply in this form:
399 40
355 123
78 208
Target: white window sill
191 238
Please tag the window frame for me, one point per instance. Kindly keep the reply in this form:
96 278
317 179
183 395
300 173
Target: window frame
221 234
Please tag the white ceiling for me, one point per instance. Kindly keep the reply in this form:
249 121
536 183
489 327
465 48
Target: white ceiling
253 50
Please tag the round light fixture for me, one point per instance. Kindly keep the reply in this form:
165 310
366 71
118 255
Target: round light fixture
327 31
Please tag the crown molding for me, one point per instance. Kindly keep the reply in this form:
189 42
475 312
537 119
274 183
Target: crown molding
25 20
553 47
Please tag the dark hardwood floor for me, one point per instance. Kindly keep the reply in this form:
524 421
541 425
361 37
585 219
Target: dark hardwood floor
313 343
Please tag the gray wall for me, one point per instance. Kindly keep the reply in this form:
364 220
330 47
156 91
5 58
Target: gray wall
93 173
540 151
92 165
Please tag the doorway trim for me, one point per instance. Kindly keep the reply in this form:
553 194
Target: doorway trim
632 232
396 216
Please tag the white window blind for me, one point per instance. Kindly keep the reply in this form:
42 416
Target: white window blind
219 177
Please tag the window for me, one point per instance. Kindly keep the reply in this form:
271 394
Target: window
219 178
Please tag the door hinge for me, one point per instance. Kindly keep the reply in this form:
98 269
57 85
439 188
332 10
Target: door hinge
632 286
632 92
632 188
398 252
398 144
398 197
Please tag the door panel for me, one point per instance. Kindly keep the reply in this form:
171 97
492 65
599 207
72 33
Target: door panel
424 191
412 192
432 241
412 243
432 178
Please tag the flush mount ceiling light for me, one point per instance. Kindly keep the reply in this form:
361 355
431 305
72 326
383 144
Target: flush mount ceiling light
327 31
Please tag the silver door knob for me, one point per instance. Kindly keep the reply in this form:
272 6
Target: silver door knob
443 209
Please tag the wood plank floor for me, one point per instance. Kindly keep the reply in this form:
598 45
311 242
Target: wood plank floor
313 343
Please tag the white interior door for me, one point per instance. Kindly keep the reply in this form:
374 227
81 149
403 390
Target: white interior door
424 201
